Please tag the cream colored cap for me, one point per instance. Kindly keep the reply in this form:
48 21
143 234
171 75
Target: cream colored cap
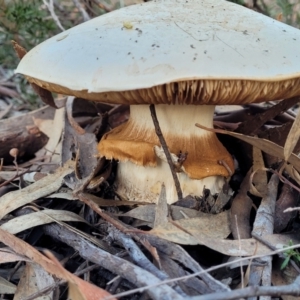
171 51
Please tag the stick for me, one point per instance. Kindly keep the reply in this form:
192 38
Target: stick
113 263
166 150
281 255
291 289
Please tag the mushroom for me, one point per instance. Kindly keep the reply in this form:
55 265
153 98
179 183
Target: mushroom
185 57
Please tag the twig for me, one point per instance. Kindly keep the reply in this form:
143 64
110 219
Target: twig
115 264
86 199
240 248
6 111
268 244
13 178
165 148
291 209
221 295
177 253
139 257
50 7
104 6
80 7
285 180
254 291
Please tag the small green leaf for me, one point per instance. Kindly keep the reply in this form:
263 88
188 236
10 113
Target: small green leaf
285 263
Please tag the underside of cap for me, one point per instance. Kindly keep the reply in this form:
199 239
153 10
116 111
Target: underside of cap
201 91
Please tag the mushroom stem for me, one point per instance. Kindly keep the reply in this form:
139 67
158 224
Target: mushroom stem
142 163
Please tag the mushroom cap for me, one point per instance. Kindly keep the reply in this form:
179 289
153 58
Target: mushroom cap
194 51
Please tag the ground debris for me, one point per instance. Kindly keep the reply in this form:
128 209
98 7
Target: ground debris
129 248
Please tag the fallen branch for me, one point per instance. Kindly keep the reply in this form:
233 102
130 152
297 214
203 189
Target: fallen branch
139 257
114 264
290 290
255 291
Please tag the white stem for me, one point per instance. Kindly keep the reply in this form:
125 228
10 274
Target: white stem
177 122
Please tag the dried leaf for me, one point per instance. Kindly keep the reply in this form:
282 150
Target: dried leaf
262 144
63 195
223 198
161 210
45 95
288 198
264 219
257 119
292 138
184 231
249 246
259 181
33 279
24 249
106 202
6 256
53 129
240 211
7 287
78 288
20 51
292 173
41 188
47 216
52 266
84 148
147 213
69 105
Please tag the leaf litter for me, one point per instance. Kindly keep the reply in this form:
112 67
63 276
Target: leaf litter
84 221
